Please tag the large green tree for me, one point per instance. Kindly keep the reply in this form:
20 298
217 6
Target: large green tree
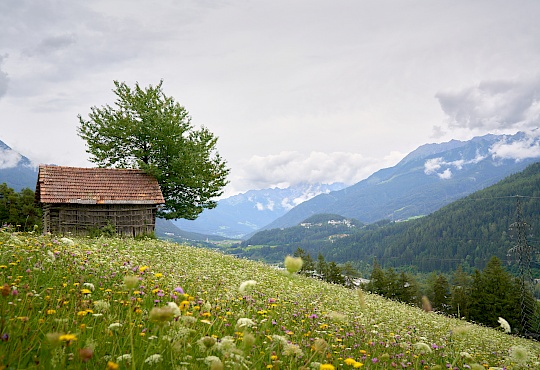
148 130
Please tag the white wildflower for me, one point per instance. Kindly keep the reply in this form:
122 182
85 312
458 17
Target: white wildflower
153 359
67 241
115 325
247 285
226 345
279 338
244 323
101 306
126 357
175 309
505 325
51 256
218 365
209 360
292 350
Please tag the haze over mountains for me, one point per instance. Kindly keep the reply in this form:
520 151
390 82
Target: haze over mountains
243 214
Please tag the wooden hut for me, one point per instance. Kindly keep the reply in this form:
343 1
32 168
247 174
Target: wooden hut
81 201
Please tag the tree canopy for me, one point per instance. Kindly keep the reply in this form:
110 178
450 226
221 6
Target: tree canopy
18 209
148 130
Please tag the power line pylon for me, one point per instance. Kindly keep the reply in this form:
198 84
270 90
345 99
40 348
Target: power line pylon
524 255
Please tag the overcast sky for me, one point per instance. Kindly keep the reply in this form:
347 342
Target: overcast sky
310 90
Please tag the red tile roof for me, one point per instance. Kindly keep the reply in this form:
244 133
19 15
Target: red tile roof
58 184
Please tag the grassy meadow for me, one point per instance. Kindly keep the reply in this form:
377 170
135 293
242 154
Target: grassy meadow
113 303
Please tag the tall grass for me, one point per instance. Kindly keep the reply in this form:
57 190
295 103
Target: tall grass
115 303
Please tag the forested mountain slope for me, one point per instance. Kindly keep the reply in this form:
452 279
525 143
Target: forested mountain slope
467 231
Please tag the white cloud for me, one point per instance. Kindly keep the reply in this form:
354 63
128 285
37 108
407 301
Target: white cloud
434 165
268 206
446 174
529 147
3 78
307 194
291 168
493 105
9 158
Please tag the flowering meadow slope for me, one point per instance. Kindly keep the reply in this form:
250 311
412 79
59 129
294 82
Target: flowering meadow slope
128 304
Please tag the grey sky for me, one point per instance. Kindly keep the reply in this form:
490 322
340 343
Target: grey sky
297 91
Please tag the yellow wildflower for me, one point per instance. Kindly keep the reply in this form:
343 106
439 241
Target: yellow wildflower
184 305
350 361
327 367
112 365
67 337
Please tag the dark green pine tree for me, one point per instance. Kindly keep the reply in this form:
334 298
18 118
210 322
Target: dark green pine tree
377 280
393 287
495 294
460 293
334 274
322 267
408 289
440 301
308 266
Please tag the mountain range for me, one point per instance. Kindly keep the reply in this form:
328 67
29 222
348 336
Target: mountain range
428 178
242 214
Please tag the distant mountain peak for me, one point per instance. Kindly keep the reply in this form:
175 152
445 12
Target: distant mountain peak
16 170
10 158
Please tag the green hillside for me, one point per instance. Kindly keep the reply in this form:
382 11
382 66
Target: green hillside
469 231
111 304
